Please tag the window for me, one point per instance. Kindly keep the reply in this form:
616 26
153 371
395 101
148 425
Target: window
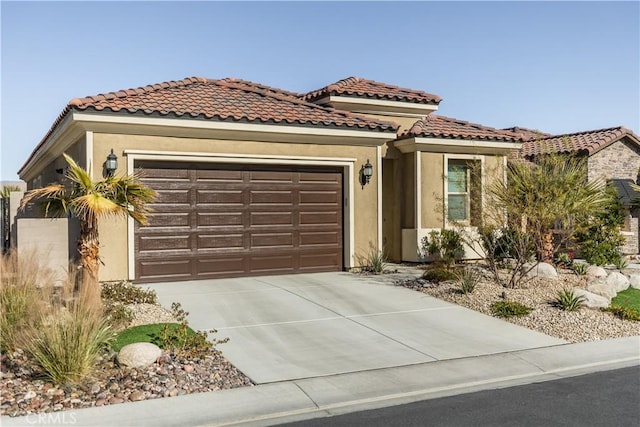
458 191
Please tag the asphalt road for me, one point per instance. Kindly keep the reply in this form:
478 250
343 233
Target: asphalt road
610 398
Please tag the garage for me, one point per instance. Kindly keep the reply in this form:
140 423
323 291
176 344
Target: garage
226 220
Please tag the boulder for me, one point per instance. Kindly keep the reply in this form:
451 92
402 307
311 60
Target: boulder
634 281
590 299
139 355
617 281
596 273
541 270
602 289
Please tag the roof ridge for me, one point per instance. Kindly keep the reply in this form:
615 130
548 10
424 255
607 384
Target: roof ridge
584 132
123 93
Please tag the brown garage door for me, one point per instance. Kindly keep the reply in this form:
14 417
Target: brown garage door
223 221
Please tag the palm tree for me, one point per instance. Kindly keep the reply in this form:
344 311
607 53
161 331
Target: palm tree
549 193
89 200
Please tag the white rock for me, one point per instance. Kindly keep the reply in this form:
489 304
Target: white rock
602 289
634 281
592 300
618 281
597 273
139 355
541 270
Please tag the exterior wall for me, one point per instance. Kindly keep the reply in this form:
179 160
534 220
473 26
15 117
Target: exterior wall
48 173
48 240
408 188
619 160
432 175
392 201
114 243
631 245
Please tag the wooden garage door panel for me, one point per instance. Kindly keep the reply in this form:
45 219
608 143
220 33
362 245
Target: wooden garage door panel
236 220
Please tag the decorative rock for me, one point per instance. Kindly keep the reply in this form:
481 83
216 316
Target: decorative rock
29 395
139 355
634 281
602 289
188 368
617 281
596 273
541 270
591 300
136 396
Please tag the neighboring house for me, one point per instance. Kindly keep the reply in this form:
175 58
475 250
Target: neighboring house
257 180
613 155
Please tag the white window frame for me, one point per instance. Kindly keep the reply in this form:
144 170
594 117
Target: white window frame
459 157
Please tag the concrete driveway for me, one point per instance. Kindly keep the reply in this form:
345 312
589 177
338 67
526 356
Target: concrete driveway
310 325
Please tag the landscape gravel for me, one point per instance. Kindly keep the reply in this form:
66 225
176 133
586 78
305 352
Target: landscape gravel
538 293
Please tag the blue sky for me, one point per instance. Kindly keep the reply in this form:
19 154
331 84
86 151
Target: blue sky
555 66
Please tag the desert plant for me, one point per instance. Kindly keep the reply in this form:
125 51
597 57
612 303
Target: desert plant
567 300
88 200
127 293
621 263
580 268
624 313
468 278
506 308
374 261
444 245
564 260
438 274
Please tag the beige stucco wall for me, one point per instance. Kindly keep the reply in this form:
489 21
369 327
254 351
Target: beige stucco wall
114 241
77 151
432 170
408 188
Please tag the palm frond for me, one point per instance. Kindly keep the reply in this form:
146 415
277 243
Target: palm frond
77 174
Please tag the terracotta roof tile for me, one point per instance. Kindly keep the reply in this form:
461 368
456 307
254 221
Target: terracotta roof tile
446 127
527 133
587 142
363 88
224 100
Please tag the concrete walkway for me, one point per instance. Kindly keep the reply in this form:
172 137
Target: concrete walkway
310 325
331 343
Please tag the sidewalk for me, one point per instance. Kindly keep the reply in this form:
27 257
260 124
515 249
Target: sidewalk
287 401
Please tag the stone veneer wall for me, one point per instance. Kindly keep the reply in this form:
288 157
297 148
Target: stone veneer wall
619 160
631 239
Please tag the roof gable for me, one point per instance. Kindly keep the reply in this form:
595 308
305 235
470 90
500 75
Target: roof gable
445 127
369 89
587 142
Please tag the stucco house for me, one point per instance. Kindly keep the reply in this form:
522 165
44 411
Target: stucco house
258 180
613 155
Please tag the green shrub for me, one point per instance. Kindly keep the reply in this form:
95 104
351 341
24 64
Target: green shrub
127 293
621 263
438 274
580 268
444 245
468 278
623 312
564 260
567 300
505 308
374 261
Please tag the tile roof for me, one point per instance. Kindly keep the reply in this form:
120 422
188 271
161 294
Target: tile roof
587 142
446 127
363 88
527 133
228 99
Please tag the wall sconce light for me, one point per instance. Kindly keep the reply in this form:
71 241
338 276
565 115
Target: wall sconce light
366 173
111 164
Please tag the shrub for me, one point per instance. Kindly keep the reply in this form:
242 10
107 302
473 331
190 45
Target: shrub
444 245
467 280
621 263
625 313
117 314
374 261
181 338
567 300
580 268
438 274
505 308
127 293
564 260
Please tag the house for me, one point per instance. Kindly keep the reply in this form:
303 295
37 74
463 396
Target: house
613 155
258 180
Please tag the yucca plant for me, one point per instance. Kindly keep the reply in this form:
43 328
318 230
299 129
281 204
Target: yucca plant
580 268
567 300
88 200
467 280
374 261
